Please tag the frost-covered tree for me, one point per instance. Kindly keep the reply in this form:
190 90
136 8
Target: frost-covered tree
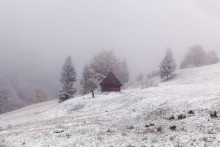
39 95
68 77
5 90
195 57
212 57
86 74
104 63
88 83
3 101
140 77
153 74
125 72
167 65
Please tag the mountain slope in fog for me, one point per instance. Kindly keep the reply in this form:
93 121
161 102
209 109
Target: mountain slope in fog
173 113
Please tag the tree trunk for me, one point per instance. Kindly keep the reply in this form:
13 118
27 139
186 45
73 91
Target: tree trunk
93 94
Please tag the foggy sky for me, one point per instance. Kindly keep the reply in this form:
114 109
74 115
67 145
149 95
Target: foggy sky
36 36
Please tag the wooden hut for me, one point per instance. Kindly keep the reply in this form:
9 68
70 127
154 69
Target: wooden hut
110 83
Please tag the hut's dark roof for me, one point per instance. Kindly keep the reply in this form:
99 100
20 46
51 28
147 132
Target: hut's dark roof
111 80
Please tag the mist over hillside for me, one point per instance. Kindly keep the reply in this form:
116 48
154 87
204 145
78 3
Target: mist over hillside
36 37
186 106
109 73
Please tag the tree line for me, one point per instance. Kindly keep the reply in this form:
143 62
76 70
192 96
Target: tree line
196 56
93 73
106 61
16 92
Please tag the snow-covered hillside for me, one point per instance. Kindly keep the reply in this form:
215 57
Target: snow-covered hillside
175 113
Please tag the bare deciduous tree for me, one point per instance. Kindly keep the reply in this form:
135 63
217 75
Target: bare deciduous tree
195 57
104 63
212 57
39 95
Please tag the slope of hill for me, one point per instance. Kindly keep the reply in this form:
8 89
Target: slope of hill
175 113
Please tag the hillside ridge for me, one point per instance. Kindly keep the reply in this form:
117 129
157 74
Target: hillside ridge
136 116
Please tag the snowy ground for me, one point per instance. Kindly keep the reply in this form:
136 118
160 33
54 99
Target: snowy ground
134 117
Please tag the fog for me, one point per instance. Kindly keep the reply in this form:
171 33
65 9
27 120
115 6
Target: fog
36 36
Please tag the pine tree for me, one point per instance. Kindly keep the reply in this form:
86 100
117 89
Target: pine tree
68 77
88 83
167 65
125 72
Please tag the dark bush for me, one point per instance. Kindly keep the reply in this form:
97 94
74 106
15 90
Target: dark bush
130 127
151 125
191 112
171 118
58 131
159 129
147 126
108 131
213 114
173 128
181 116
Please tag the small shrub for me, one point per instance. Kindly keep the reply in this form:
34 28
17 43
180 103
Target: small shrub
68 135
130 127
159 129
147 126
213 114
58 131
109 131
171 118
173 128
151 125
191 112
181 116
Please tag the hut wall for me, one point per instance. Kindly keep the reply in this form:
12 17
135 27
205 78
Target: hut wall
110 88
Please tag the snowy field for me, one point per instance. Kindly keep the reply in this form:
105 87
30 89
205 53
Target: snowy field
175 113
